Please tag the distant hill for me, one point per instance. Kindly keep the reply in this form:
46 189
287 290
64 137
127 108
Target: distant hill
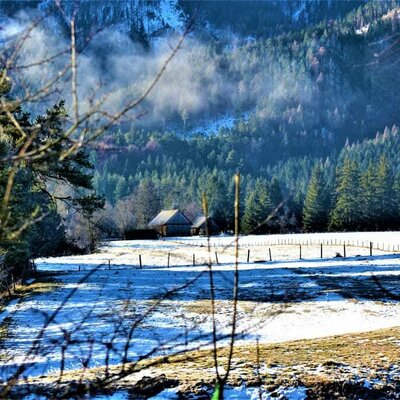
144 20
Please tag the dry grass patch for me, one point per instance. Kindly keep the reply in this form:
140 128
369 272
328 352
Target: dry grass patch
40 286
203 307
313 362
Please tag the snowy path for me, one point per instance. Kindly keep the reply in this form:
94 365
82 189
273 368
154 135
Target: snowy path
279 301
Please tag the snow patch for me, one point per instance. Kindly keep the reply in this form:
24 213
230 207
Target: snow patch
252 393
363 30
294 393
167 394
171 15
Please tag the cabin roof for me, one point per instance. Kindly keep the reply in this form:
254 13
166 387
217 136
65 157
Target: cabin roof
200 221
169 217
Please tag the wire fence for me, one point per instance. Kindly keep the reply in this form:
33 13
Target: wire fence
187 252
221 243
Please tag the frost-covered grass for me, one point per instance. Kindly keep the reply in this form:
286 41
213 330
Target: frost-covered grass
283 300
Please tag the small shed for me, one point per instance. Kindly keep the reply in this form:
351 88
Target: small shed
171 223
199 226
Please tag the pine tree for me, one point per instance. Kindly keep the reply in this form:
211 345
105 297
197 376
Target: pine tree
369 201
29 222
258 207
251 217
315 210
385 195
219 200
346 214
276 192
396 201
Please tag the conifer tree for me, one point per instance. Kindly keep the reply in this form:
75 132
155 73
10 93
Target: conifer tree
369 201
258 207
315 210
250 217
346 213
29 222
396 201
219 200
385 195
276 192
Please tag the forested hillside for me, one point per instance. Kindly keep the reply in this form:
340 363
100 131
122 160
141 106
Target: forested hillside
303 99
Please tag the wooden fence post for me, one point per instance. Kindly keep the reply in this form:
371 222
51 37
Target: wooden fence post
270 256
169 256
321 250
344 250
194 260
370 248
140 261
216 257
109 264
248 255
300 250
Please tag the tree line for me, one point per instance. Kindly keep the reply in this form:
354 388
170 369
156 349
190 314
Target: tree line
357 189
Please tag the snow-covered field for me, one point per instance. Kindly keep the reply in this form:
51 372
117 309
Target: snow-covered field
106 307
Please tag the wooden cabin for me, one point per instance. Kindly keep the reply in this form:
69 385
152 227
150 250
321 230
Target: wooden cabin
199 226
171 223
